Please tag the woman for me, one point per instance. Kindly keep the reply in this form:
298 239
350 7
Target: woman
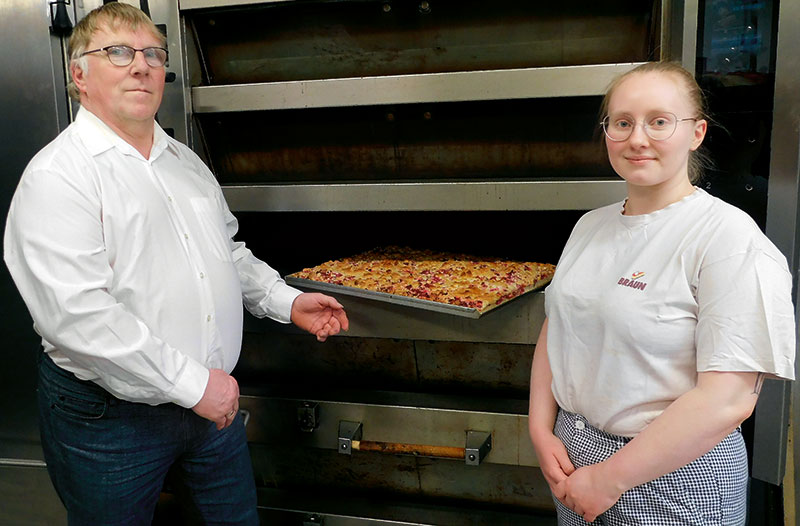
665 314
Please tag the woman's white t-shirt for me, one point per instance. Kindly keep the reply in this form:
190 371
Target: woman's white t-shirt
640 304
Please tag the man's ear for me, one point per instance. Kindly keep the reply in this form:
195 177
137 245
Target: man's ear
78 76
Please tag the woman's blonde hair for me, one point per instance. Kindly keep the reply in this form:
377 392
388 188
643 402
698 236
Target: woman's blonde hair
698 159
112 16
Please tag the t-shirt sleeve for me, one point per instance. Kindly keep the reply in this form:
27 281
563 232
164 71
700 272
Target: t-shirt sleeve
745 319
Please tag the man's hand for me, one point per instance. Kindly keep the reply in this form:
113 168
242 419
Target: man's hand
319 314
588 491
220 400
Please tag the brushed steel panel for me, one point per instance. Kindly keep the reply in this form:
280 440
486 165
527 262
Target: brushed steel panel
27 498
339 40
281 507
24 463
679 31
518 487
488 195
568 81
274 422
330 475
33 109
496 368
175 112
475 369
516 322
188 5
779 402
369 363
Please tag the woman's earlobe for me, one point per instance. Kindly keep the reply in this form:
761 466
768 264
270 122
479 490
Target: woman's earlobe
700 129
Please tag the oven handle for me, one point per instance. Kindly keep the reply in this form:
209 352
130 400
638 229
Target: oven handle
419 450
478 445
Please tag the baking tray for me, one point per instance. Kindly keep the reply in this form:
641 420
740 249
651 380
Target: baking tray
457 310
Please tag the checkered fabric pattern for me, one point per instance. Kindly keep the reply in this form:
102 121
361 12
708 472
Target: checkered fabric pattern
712 490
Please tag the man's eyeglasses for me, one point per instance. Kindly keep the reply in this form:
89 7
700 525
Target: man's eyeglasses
659 128
120 55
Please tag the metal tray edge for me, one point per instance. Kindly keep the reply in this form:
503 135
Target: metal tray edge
386 297
457 310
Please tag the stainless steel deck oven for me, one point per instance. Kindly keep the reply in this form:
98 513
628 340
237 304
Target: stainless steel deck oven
341 126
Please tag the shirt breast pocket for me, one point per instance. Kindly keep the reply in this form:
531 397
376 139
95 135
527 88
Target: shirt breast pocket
212 227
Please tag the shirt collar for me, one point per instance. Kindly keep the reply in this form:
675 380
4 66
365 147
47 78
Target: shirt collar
99 137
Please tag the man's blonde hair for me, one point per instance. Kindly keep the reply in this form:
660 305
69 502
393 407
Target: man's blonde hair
111 16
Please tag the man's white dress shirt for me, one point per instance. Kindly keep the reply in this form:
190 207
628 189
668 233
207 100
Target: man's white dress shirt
128 265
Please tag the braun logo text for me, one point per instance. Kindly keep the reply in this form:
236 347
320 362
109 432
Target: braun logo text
634 282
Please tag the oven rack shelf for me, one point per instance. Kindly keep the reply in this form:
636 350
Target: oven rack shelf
187 5
459 86
555 194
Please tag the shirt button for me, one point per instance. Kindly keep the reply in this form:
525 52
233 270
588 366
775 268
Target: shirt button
169 198
208 318
186 236
202 275
579 425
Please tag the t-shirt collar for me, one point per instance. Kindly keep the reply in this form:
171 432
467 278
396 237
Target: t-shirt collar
99 137
645 219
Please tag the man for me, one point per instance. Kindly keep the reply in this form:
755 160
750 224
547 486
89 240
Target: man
120 242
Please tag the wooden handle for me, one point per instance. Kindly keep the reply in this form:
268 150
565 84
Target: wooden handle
409 449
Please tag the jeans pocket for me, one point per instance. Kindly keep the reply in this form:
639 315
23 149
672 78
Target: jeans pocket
86 404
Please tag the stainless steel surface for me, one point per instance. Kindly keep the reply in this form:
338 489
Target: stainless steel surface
174 114
688 54
34 111
420 196
22 462
323 474
186 5
406 89
349 432
337 40
282 507
407 421
679 31
479 444
481 369
83 7
515 322
780 399
27 498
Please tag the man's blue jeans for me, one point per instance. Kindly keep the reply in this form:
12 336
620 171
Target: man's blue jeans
108 458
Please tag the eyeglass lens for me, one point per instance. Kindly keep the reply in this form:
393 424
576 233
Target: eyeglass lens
658 128
123 55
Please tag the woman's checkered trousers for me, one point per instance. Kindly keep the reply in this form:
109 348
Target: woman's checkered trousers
712 490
